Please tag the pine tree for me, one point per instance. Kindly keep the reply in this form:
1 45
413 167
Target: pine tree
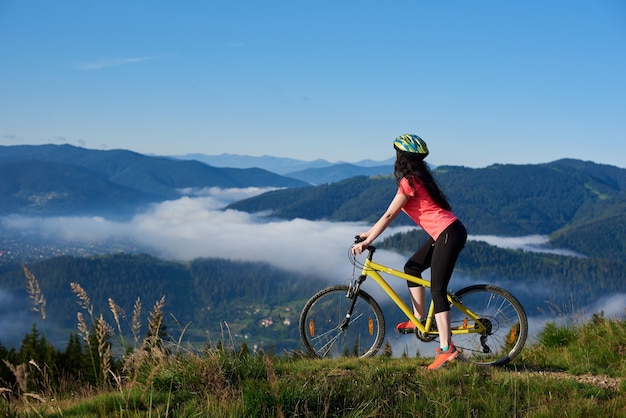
71 361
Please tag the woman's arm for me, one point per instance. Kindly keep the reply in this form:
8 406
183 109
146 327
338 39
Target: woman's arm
390 214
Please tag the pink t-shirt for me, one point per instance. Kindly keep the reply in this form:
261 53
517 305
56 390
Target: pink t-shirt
423 210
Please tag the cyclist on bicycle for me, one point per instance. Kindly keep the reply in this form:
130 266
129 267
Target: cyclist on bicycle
421 199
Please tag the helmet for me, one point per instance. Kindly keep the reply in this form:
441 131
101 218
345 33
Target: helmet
412 144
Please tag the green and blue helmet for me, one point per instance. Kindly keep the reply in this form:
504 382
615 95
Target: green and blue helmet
412 144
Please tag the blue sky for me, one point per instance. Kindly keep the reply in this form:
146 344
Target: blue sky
482 82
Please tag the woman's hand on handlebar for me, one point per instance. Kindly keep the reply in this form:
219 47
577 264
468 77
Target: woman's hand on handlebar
359 244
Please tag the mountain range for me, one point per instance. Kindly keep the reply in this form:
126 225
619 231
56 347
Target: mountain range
66 180
285 166
580 204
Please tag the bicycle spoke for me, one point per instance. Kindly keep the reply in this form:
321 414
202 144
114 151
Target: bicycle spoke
326 347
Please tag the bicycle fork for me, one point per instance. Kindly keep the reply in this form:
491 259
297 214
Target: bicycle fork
352 294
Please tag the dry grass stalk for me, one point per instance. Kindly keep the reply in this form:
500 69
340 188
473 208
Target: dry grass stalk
156 320
103 331
118 380
106 362
44 373
33 363
136 321
83 300
82 327
180 338
34 292
117 312
21 374
35 396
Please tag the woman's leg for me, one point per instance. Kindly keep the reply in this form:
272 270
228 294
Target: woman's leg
445 253
418 296
419 262
443 325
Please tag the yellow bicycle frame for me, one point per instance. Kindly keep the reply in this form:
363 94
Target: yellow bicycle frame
372 269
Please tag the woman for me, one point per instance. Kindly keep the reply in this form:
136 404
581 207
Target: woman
421 199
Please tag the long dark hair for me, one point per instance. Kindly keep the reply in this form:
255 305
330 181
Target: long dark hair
412 165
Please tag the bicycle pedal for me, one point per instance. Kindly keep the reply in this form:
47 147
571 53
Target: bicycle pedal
407 330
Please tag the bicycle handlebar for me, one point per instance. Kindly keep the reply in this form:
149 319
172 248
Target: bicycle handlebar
358 239
370 248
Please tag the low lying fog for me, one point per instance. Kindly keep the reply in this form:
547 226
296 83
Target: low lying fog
197 226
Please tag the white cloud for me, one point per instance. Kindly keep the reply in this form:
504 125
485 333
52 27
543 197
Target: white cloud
189 228
532 243
116 62
612 306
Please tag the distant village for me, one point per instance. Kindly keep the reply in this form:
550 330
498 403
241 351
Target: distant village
19 249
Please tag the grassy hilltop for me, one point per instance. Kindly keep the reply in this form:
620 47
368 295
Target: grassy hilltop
573 370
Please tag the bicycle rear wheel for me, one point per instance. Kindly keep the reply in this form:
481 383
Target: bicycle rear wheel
504 317
321 322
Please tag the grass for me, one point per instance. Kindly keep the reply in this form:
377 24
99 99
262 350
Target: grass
240 385
576 370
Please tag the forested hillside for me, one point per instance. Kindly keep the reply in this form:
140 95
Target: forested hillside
217 299
210 295
580 204
50 188
353 199
338 172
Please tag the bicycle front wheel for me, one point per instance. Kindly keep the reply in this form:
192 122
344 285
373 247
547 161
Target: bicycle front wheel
504 319
329 331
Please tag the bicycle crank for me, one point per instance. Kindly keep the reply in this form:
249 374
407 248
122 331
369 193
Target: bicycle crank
425 336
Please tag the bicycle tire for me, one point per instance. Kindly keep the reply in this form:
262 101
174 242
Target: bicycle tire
505 318
321 319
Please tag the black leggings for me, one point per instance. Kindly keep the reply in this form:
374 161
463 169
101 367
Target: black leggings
441 257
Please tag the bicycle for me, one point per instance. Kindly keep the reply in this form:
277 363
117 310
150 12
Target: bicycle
488 324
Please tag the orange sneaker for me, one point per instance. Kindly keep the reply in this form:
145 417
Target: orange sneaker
443 357
406 327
